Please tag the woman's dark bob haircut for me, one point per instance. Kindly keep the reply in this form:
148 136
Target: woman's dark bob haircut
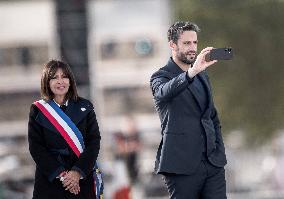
49 71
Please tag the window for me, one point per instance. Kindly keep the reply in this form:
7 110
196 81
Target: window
15 106
23 55
128 100
140 48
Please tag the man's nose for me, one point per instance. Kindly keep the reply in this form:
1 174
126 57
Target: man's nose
192 47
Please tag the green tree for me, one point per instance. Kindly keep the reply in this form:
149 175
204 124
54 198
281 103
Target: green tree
249 90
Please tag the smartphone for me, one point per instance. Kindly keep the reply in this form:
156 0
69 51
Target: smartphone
219 54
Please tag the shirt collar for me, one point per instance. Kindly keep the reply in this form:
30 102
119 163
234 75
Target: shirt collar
173 67
66 103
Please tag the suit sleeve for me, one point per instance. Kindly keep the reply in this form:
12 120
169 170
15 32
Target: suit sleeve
217 127
164 88
45 162
87 159
216 121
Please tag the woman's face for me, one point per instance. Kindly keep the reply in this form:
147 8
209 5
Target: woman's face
59 84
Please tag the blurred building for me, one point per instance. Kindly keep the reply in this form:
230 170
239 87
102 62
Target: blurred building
27 40
127 43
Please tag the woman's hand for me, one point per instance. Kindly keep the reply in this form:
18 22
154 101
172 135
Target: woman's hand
75 189
71 182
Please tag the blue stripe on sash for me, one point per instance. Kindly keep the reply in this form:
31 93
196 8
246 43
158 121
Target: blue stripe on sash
68 121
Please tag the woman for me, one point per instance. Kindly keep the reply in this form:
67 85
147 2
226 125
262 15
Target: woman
61 171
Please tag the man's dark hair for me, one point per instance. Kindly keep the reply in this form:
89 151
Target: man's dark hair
49 71
179 27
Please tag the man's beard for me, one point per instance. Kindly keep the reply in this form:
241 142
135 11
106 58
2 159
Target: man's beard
183 58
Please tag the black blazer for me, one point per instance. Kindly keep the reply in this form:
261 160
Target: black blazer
183 123
52 154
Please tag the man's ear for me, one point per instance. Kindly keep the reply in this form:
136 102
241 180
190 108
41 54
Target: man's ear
172 45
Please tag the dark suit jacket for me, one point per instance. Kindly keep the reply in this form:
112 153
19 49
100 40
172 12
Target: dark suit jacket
52 154
183 123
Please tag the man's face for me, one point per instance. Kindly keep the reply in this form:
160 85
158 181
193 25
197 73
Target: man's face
186 47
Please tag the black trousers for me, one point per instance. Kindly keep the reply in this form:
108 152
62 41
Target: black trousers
208 182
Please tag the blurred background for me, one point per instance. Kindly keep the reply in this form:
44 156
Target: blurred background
113 47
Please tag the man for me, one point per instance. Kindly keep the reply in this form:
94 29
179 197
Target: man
191 155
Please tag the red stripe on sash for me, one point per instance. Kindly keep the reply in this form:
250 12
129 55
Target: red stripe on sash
59 128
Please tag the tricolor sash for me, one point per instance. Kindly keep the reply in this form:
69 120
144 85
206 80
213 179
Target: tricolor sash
72 136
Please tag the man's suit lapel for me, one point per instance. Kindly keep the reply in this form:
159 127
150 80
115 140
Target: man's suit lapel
176 70
207 89
194 93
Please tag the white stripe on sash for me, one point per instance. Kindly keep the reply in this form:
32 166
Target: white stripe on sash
64 125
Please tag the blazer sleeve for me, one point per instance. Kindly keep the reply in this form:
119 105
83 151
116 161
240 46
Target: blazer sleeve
219 140
87 159
216 121
164 87
45 162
